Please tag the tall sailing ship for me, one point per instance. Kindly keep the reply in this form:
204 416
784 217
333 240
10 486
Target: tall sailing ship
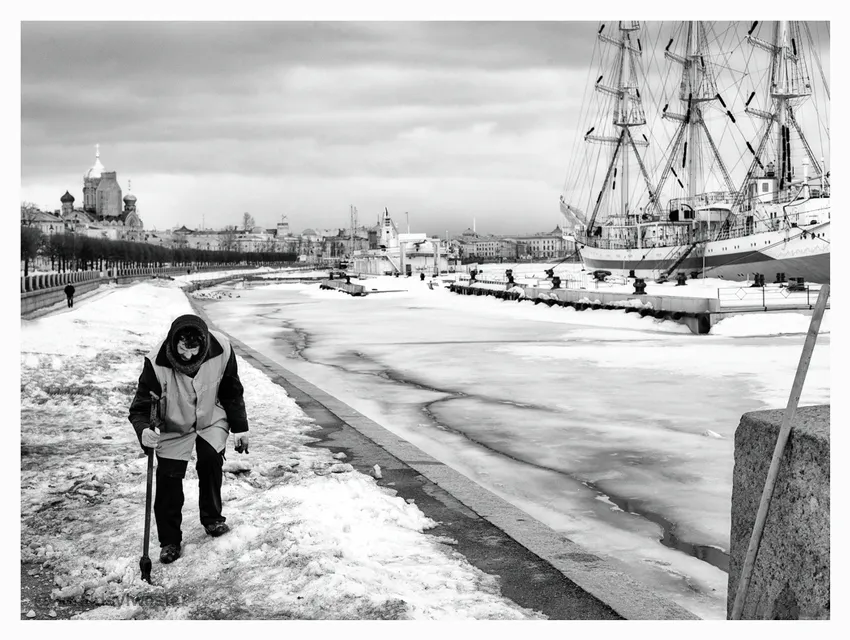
692 216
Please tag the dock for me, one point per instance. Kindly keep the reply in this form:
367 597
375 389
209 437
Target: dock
699 314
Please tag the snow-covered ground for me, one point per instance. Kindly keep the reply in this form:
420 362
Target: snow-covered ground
611 428
311 537
211 275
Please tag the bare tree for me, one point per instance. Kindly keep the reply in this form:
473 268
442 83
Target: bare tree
228 238
247 221
28 211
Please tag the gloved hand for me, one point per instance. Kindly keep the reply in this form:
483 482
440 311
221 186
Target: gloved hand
241 442
150 438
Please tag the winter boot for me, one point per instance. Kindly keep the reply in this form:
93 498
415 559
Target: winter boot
169 553
216 529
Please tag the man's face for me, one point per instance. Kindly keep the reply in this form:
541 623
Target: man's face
185 351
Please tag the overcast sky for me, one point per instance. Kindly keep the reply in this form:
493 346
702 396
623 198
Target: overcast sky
447 121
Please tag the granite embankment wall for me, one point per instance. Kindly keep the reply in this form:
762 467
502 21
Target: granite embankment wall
790 579
42 292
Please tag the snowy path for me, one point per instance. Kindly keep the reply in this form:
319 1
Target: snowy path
311 538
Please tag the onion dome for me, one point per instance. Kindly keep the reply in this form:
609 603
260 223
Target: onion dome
66 198
97 168
129 198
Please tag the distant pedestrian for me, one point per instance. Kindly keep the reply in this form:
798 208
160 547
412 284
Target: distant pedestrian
69 293
190 390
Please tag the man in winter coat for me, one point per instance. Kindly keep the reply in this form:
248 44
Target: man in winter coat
190 390
69 293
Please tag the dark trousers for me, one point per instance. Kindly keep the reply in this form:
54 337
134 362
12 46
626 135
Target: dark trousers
168 504
70 301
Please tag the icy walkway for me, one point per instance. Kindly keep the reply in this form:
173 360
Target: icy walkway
311 537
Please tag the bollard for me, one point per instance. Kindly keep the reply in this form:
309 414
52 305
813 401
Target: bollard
681 279
640 286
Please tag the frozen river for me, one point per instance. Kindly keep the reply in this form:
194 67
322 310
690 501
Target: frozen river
613 429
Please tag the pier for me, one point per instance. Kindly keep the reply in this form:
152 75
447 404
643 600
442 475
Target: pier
699 314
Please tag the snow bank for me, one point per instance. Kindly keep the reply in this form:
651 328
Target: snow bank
768 324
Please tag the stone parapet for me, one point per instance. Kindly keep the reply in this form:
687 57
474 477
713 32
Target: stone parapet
790 578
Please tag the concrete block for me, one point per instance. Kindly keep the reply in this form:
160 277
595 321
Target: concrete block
790 579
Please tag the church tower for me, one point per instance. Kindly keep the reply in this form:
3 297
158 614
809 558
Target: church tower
283 227
90 183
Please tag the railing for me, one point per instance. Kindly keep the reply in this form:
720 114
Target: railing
43 282
769 297
702 200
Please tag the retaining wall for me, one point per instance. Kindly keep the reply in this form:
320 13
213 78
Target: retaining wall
659 303
790 578
692 312
44 291
35 301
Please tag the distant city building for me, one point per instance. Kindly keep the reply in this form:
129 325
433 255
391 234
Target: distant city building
47 223
544 245
283 227
489 247
403 253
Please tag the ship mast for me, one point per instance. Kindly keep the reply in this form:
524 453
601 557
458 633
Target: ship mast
697 89
789 86
691 70
628 113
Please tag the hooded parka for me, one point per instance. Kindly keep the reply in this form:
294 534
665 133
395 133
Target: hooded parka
207 404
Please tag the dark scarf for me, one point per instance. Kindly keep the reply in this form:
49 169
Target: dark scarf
189 368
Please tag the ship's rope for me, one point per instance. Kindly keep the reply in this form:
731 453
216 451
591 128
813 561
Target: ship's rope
582 119
816 55
823 120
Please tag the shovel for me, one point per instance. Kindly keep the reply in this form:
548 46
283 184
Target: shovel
145 562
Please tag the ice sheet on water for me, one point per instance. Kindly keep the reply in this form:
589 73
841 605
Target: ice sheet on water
531 401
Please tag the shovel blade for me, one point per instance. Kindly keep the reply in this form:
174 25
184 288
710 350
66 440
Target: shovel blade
145 566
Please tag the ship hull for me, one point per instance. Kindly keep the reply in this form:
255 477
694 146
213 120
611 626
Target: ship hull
794 253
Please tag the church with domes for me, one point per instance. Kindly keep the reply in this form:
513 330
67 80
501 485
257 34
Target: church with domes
103 208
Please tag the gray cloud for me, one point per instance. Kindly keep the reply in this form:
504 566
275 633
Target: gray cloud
292 103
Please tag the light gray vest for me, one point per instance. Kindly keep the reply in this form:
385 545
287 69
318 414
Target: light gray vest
189 407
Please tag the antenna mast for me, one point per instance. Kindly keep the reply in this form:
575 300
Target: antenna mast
353 214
